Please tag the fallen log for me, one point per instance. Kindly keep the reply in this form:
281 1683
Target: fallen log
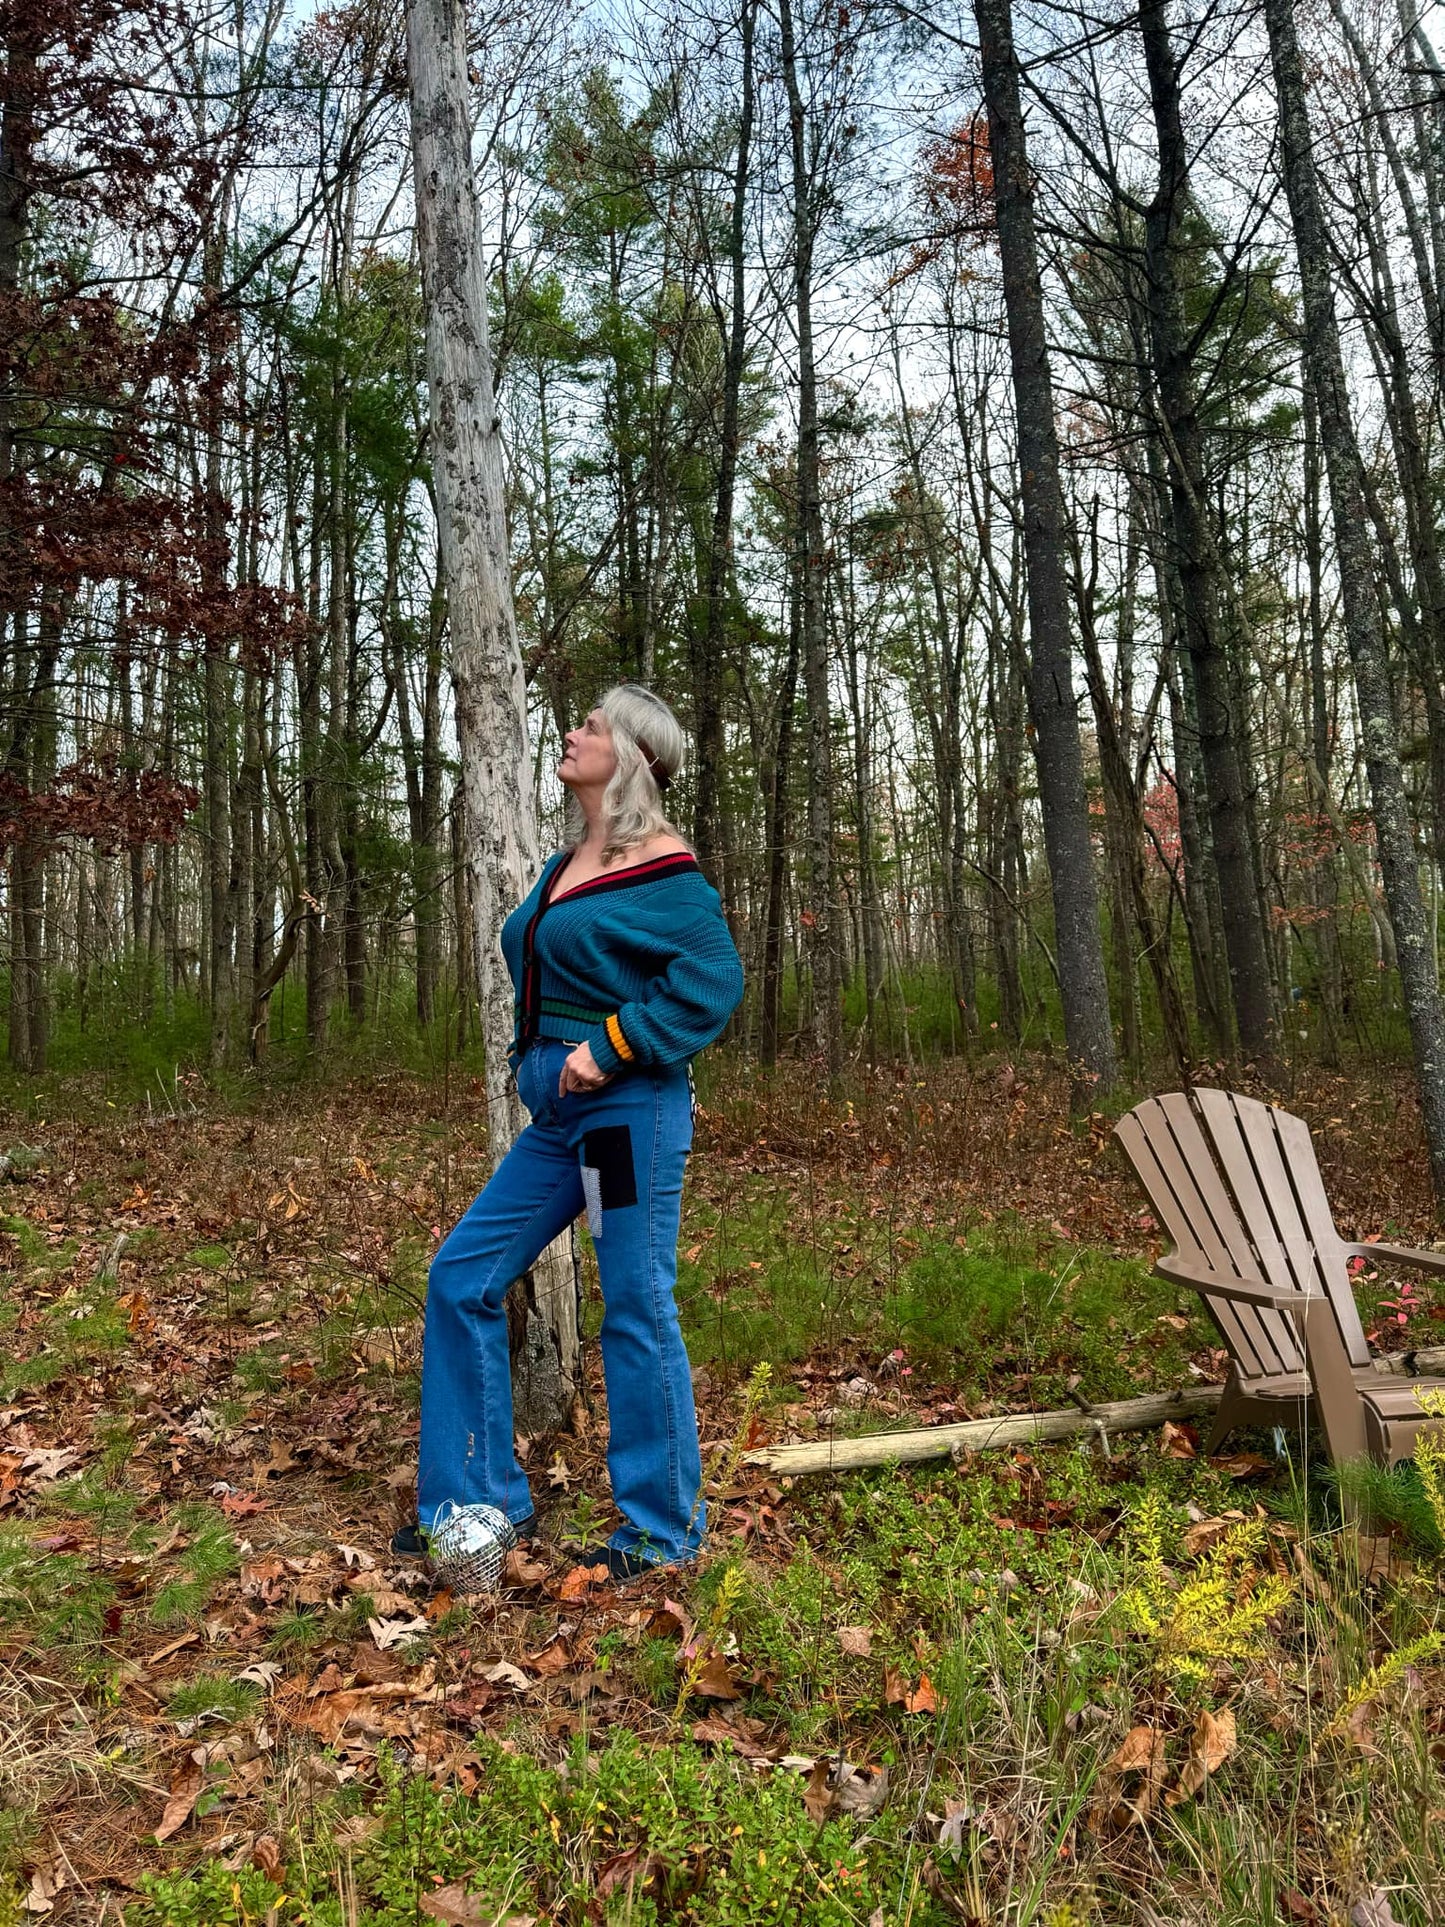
981 1435
1025 1428
1412 1364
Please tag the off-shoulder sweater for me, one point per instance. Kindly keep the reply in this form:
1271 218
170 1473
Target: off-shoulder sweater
639 964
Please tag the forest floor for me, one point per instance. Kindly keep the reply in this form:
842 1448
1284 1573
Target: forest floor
1041 1687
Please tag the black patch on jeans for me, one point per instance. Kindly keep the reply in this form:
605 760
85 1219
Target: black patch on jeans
608 1150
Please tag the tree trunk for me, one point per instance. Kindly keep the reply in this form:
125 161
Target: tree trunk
1052 704
1364 631
708 650
820 915
771 1000
466 450
1220 745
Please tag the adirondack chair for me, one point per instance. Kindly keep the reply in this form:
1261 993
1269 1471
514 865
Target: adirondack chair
1237 1186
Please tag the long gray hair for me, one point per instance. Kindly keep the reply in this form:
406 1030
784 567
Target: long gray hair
648 742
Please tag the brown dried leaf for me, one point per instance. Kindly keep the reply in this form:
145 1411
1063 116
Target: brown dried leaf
855 1640
1213 1740
742 1737
1177 1441
266 1854
622 1870
862 1790
1373 1910
454 1906
551 1660
1298 1906
1242 1465
575 1583
281 1461
359 1709
185 1791
1141 1758
504 1673
46 1884
1208 1532
1381 1558
667 1621
896 1692
175 1646
520 1570
265 1579
818 1796
243 1505
715 1682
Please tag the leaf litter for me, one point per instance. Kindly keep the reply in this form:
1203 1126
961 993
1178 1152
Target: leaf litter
312 1473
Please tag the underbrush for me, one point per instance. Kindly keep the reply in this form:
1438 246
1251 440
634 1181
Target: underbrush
1068 1690
1039 1689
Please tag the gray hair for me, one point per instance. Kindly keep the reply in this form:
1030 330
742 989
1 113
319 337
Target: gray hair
648 742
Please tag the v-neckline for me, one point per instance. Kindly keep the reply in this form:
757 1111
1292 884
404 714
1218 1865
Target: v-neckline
616 879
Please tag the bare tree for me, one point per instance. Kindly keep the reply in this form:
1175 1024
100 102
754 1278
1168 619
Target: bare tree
501 830
1052 699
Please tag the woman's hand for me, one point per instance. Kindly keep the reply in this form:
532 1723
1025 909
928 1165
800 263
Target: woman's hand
580 1072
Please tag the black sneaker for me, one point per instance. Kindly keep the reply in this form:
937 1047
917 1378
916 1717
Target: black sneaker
408 1542
623 1566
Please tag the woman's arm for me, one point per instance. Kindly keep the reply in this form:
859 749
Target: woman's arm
683 1009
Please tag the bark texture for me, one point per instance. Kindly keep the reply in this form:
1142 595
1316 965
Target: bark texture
1052 701
1364 630
1221 748
820 918
469 475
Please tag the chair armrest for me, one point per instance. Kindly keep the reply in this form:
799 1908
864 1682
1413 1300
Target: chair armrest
1224 1284
1429 1261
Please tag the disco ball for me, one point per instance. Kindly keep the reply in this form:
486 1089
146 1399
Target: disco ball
468 1547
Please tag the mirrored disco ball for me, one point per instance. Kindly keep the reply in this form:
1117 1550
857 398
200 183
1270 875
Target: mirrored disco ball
469 1547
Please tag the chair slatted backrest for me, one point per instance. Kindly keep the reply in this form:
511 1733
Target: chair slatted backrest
1275 1178
1174 1162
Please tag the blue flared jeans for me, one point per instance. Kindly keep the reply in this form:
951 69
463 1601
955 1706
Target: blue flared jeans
618 1153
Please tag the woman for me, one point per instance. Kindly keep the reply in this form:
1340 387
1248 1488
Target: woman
623 968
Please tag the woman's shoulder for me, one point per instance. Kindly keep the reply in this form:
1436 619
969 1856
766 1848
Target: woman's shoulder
657 846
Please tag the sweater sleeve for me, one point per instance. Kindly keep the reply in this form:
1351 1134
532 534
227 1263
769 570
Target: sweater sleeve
685 1006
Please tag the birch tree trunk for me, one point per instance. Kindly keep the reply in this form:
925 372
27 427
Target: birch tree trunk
1059 753
1364 631
470 483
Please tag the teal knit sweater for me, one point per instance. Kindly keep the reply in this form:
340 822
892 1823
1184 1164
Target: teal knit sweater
639 964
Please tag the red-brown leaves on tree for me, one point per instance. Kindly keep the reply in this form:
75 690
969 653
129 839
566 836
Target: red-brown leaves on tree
954 190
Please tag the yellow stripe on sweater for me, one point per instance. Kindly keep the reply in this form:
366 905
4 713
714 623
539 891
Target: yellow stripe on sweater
618 1041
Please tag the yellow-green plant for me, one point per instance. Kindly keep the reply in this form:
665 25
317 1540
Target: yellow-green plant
1217 1612
1430 1459
1378 1681
729 1593
759 1379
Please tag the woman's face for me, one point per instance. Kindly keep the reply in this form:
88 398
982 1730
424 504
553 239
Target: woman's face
588 758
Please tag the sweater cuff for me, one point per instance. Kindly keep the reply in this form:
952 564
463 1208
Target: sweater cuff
611 1051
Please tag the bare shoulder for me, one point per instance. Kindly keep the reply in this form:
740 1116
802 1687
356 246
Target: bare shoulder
657 846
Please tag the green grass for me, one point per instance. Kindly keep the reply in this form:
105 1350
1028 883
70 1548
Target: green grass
208 1557
961 1301
1006 1584
212 1696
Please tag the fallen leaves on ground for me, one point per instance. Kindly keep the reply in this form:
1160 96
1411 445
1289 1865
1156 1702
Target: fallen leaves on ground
836 1786
184 1793
1130 1782
1213 1740
922 1698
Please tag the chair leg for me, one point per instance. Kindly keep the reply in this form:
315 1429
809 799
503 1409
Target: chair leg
1232 1409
